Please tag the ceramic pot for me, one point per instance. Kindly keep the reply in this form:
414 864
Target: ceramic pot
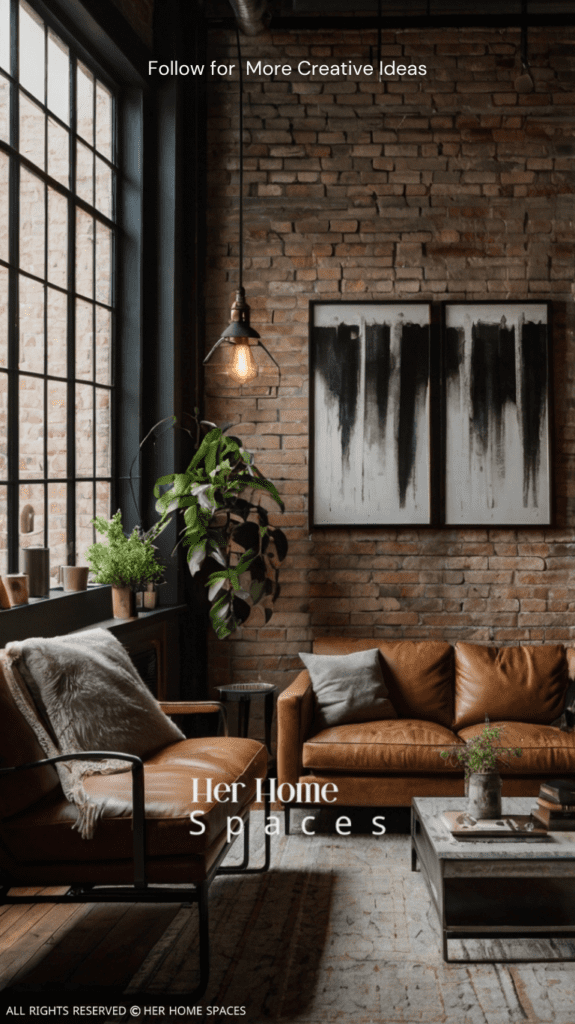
15 589
74 577
36 566
147 598
484 795
123 603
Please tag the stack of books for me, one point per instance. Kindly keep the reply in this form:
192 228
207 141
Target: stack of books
555 807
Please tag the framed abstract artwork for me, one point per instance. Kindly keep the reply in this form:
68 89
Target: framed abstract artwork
370 413
495 414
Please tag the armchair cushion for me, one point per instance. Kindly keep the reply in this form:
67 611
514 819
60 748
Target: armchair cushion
42 835
348 687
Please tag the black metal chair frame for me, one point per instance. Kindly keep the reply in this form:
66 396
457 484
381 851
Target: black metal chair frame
140 891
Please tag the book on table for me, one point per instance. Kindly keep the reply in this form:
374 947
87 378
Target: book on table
558 791
555 822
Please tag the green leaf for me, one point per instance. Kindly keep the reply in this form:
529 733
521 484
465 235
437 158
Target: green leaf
161 482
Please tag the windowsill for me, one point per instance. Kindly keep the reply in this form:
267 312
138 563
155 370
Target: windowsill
60 612
83 609
55 594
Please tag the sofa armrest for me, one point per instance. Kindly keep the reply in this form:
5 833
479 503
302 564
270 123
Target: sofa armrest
295 711
197 707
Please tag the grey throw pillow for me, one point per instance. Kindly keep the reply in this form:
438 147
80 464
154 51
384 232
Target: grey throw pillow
348 688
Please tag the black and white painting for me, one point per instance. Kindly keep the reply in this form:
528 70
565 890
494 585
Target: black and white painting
495 371
370 413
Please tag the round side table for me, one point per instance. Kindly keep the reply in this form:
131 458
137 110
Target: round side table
244 693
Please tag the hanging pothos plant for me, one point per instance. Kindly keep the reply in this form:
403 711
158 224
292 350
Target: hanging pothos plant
224 530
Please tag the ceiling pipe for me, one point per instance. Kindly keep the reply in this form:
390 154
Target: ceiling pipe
252 16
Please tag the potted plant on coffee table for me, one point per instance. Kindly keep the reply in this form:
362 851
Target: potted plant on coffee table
128 563
480 757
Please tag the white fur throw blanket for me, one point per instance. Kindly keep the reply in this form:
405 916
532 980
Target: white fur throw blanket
82 692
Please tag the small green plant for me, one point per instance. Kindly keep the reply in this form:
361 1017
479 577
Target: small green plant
123 561
225 530
482 753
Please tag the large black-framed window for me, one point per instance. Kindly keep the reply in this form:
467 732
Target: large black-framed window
58 240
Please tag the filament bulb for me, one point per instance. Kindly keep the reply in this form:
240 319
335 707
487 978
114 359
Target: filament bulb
243 367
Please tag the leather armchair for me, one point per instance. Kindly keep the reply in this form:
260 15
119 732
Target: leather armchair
145 853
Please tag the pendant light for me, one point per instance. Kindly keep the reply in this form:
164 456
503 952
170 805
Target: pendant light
524 81
241 366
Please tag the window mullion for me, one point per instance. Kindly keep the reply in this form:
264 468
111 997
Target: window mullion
13 307
46 260
71 332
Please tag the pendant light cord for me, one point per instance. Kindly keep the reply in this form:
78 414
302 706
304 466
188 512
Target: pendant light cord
241 149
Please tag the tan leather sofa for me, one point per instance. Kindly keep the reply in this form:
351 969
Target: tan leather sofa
442 695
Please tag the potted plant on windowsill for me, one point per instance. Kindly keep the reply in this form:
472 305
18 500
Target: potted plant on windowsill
129 564
480 757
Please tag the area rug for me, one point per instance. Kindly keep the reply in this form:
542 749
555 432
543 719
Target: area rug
341 930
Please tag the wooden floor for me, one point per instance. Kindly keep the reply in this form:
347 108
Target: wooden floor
78 946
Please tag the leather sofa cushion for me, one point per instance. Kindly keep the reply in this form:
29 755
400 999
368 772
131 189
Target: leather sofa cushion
520 684
403 745
418 674
545 750
44 833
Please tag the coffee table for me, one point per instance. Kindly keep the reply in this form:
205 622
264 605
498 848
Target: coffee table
494 889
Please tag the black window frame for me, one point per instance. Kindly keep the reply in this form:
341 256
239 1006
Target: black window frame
71 21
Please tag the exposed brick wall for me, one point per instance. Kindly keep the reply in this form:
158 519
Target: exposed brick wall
140 15
449 187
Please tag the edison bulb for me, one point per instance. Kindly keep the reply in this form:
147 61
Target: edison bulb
243 367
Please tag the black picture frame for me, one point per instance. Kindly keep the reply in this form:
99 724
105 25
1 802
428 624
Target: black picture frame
371 435
496 414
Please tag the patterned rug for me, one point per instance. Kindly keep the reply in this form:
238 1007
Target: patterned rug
341 930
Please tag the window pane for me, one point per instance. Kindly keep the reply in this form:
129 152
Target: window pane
103 346
3 530
57 530
103 498
103 264
56 442
4 426
31 355
58 156
85 100
32 131
5 34
4 109
84 254
85 173
104 121
104 186
84 339
57 333
31 427
31 223
31 515
84 516
57 238
84 431
4 175
4 317
103 433
58 78
31 46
